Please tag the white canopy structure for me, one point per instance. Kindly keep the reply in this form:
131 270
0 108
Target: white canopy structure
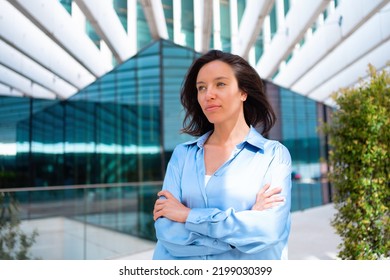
313 47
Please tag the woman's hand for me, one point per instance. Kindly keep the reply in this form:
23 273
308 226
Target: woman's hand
170 208
266 200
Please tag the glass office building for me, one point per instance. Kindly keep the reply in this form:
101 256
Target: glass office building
115 130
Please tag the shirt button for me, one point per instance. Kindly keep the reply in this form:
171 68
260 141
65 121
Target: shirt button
215 242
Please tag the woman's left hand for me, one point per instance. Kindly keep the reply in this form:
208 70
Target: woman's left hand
170 208
266 198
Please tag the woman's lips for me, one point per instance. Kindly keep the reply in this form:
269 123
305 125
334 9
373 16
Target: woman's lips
212 108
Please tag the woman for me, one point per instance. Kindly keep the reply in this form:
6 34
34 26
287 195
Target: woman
212 205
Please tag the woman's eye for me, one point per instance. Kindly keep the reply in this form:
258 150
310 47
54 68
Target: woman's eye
201 88
221 84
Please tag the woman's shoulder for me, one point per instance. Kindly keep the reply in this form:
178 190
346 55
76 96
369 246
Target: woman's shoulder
196 141
257 139
274 148
275 145
279 152
182 148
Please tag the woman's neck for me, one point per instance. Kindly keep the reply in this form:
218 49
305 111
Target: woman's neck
225 134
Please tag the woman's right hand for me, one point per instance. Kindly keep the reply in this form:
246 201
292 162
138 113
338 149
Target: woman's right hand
169 207
267 199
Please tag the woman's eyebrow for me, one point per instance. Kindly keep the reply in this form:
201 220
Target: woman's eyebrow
221 78
216 79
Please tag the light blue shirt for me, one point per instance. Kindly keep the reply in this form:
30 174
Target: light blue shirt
221 224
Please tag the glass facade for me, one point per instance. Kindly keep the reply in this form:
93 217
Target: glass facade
273 21
225 26
144 37
187 22
168 13
120 7
119 129
67 4
103 152
297 128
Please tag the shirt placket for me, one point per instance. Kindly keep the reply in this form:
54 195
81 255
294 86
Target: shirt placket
201 172
222 168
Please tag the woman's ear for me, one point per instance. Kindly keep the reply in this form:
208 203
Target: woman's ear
244 95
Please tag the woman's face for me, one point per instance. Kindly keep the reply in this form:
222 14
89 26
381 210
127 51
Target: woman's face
218 94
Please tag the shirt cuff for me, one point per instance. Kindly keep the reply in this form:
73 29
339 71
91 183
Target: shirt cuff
199 218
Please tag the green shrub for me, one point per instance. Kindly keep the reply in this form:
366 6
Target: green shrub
14 244
359 137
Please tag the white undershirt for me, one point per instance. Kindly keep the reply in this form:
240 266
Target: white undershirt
206 179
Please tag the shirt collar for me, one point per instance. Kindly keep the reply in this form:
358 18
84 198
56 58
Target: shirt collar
199 141
254 138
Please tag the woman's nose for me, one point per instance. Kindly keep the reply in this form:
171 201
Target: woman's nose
210 94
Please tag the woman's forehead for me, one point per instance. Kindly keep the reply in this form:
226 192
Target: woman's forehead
215 69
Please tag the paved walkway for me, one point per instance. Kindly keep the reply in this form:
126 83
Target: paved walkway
312 237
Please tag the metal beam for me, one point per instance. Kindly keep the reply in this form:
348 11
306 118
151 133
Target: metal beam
154 14
207 25
21 84
337 28
203 17
298 20
347 54
58 25
351 75
132 25
107 25
31 70
251 24
233 23
9 91
29 40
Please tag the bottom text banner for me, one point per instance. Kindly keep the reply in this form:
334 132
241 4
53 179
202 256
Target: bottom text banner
137 269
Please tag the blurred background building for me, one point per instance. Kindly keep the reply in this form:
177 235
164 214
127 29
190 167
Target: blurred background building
90 109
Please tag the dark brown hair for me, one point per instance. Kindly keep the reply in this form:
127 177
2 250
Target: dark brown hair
257 110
